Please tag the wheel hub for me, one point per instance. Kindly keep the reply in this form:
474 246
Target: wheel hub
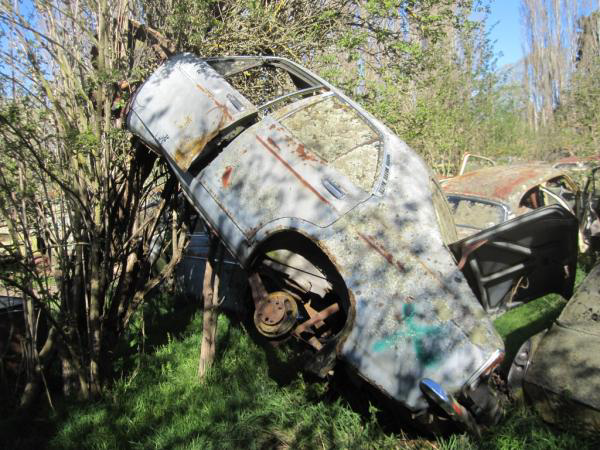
276 314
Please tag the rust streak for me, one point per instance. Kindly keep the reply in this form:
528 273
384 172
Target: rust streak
273 143
305 155
390 259
434 275
226 178
221 106
382 251
505 189
291 169
187 151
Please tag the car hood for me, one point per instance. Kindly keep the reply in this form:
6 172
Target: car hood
504 184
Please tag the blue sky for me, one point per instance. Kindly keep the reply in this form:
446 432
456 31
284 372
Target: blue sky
506 32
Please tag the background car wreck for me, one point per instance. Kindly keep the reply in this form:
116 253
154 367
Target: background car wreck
589 216
486 197
341 227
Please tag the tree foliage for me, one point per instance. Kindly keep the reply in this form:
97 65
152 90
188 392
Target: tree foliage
71 178
423 67
561 69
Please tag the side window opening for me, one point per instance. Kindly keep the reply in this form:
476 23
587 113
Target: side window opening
474 213
532 199
561 188
338 135
263 83
270 87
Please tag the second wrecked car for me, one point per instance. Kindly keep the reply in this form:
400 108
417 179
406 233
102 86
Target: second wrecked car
342 228
488 196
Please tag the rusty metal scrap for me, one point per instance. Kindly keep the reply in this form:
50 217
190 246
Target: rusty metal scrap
506 184
319 317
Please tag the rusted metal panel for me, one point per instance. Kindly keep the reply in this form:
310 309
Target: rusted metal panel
577 167
506 184
182 106
577 163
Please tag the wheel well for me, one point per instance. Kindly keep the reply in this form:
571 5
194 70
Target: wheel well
296 243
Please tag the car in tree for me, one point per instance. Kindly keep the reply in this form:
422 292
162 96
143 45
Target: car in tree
485 197
346 236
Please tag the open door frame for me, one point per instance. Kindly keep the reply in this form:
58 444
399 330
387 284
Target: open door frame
521 259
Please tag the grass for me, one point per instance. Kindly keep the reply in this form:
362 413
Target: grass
249 401
519 324
241 404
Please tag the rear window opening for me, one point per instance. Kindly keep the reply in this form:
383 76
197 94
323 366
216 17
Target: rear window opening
338 135
474 213
263 84
269 87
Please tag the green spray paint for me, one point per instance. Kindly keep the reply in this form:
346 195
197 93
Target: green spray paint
421 336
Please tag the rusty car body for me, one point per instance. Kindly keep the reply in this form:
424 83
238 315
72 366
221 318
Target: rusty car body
341 226
577 167
472 162
577 163
486 197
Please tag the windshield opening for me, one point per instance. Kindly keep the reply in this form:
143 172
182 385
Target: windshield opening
475 213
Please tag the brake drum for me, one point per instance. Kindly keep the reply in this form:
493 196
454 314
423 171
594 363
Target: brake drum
276 314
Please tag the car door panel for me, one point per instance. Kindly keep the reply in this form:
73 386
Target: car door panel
522 259
266 174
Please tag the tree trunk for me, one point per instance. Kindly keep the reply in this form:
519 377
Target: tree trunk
210 293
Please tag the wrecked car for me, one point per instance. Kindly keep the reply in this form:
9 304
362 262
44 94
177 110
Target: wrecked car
482 198
343 230
559 370
577 167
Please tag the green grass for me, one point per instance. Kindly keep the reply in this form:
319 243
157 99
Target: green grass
239 405
521 323
245 402
249 400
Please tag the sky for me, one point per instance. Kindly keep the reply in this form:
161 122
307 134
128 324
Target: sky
504 23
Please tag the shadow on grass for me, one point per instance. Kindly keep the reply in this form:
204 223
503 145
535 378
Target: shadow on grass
523 428
240 405
250 399
237 405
